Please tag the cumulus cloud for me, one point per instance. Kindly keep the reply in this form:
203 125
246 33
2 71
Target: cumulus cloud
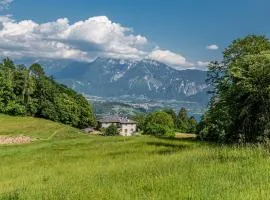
212 47
82 41
4 4
168 57
203 64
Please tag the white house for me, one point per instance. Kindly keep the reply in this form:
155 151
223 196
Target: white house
126 127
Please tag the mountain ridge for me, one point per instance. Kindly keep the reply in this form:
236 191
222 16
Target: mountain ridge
107 77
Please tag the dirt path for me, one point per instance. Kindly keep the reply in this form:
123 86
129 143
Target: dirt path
15 140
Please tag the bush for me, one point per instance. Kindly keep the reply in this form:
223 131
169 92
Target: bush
112 130
15 109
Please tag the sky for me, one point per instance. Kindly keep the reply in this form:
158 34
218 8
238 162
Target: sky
180 33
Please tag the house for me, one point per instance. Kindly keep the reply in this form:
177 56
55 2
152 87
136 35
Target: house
126 126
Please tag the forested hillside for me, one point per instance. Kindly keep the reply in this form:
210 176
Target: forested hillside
28 91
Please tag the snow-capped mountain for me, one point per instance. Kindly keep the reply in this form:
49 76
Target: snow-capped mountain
112 77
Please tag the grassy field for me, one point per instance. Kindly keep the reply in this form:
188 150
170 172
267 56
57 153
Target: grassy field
65 164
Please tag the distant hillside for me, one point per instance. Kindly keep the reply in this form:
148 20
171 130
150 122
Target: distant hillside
113 78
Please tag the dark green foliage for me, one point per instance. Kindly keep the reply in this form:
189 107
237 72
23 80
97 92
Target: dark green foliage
140 119
166 122
173 115
184 123
192 125
157 130
26 91
240 107
158 124
182 120
112 130
37 70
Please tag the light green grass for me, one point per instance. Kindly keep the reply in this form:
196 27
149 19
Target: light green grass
35 128
126 168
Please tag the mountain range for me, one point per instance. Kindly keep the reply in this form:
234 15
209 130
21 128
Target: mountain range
106 77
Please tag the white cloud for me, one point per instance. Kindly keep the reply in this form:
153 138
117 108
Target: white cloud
212 47
4 4
82 40
168 57
203 64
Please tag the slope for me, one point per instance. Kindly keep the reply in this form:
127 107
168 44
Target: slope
37 129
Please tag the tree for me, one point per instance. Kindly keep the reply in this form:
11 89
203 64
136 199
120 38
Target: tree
172 114
9 102
182 120
192 125
140 119
8 63
112 130
250 45
251 108
239 108
37 70
159 124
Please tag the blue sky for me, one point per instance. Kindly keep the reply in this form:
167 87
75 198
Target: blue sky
174 29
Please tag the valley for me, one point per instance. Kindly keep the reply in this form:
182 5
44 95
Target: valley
130 105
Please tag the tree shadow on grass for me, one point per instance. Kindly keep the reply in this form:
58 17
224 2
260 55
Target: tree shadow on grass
119 153
165 148
191 139
12 195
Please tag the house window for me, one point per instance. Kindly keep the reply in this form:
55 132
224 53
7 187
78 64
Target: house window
126 130
132 130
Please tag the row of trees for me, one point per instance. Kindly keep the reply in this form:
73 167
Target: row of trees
240 107
28 91
166 123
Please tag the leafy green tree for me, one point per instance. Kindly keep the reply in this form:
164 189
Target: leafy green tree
239 109
8 63
182 120
192 125
37 70
250 45
140 119
86 114
9 102
112 130
173 115
159 124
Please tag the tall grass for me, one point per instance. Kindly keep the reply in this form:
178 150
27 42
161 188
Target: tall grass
132 168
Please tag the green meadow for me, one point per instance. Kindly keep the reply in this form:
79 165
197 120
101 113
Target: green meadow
63 163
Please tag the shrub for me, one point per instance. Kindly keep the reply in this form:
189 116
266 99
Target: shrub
112 130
